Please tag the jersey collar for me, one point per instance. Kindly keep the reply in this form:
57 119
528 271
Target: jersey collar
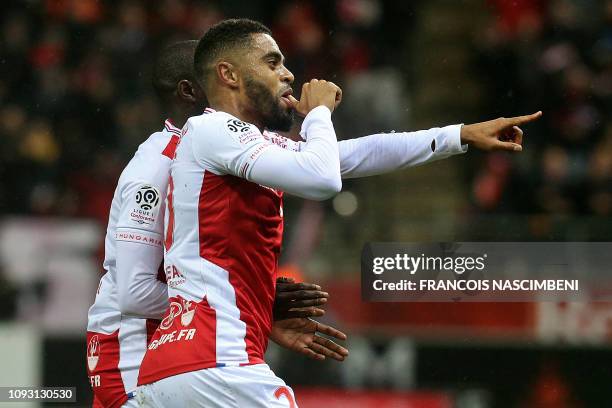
169 126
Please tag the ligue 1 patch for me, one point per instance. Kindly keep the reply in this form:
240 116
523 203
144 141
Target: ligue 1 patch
147 197
244 131
146 205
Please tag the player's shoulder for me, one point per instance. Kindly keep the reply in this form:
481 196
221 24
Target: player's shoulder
214 127
147 159
155 143
218 121
153 147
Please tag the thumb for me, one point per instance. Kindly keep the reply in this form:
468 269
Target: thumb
293 101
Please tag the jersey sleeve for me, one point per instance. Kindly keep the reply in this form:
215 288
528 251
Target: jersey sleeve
225 144
386 152
138 240
231 146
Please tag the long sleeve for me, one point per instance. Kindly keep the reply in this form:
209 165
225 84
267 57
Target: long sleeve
227 145
140 293
139 248
314 171
386 152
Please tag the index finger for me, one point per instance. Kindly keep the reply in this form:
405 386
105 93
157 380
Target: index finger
330 331
519 120
329 348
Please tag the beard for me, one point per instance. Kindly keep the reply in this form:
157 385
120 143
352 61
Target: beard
273 115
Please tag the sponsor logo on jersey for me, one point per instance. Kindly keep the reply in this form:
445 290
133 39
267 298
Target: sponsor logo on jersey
276 139
186 310
93 352
175 335
175 310
147 202
137 237
174 277
94 380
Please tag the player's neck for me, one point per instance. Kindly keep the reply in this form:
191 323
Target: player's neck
235 108
179 113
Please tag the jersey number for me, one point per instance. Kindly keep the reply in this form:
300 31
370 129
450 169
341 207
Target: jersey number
284 392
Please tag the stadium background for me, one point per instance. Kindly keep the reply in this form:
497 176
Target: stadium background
77 101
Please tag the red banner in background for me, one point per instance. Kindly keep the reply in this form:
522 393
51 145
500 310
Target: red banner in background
339 398
577 322
430 318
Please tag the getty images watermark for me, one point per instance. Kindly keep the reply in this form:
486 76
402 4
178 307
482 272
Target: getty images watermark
487 271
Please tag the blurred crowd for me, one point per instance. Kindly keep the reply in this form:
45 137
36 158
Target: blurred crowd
75 90
555 56
76 98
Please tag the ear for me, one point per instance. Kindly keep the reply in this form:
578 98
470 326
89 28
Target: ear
186 90
228 74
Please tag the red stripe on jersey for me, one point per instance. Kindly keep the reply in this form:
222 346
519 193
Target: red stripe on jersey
170 149
103 369
170 206
240 230
185 340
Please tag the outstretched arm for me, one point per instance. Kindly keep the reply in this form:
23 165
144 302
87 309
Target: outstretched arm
383 153
387 152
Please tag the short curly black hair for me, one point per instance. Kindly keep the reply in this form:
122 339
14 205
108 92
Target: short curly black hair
224 36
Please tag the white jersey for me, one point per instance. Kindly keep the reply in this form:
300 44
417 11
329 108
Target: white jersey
225 223
118 337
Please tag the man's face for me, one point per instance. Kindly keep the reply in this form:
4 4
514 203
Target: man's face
267 83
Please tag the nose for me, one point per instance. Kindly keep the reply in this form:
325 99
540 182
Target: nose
287 76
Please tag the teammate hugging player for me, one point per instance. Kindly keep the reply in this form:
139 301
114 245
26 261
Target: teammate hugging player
130 298
225 216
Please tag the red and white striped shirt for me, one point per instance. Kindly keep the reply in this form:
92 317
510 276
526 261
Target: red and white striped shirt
225 230
225 223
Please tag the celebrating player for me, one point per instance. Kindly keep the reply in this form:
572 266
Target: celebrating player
225 213
131 299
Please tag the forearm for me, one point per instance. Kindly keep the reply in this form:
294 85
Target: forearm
386 152
140 293
313 172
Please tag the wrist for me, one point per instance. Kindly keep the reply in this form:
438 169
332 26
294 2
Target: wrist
466 135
